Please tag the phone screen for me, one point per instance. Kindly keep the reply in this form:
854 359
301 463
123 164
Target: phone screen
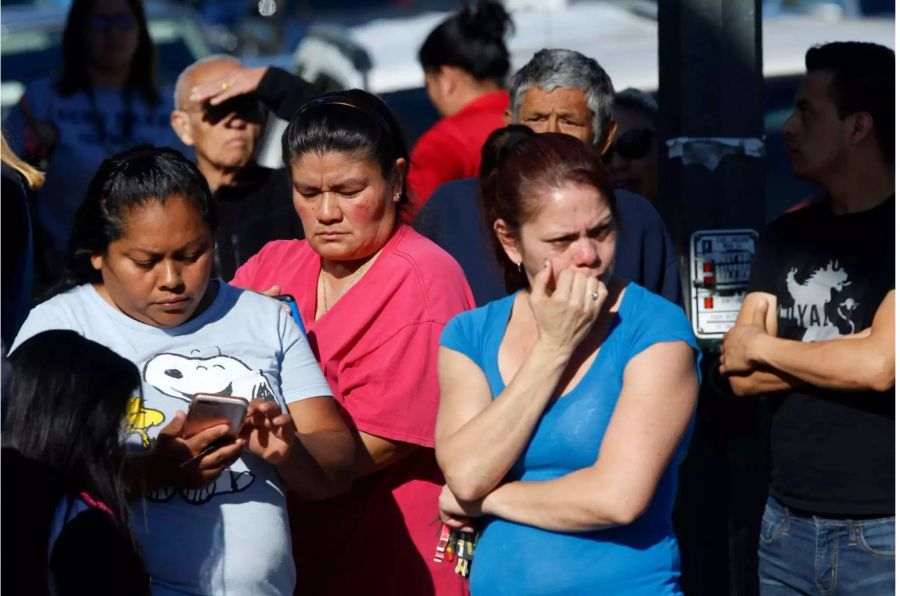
207 411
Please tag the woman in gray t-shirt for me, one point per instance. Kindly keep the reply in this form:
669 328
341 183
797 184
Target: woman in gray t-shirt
209 520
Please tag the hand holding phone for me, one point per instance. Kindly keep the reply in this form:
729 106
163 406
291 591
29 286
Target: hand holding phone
207 411
189 462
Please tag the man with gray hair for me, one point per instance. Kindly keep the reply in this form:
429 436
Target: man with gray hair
565 92
220 112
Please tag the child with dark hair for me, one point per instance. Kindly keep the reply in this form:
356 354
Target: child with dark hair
466 63
212 519
65 516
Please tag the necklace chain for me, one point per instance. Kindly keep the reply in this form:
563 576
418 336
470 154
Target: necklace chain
354 277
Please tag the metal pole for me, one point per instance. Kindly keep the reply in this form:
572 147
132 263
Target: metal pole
710 87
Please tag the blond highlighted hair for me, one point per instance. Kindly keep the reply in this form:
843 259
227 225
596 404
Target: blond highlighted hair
33 176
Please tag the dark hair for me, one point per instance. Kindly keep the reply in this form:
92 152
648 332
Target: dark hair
354 122
123 182
639 102
516 164
471 39
74 74
863 82
68 401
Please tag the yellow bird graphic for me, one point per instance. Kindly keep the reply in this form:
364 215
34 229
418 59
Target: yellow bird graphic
139 419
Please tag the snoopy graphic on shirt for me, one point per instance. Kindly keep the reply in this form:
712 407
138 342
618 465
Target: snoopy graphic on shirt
179 377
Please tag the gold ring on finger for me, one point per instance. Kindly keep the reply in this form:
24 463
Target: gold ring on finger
224 86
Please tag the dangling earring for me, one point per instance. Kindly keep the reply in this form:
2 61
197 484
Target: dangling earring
519 266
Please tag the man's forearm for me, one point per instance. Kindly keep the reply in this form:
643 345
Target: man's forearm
283 92
833 364
761 382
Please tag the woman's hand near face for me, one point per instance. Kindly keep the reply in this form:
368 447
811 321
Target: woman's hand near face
565 314
268 432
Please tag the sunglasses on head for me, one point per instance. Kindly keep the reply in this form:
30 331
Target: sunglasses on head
633 144
244 106
99 22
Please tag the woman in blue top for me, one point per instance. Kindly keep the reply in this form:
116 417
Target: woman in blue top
566 406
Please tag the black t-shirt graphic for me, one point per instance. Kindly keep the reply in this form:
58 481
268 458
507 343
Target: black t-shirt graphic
832 451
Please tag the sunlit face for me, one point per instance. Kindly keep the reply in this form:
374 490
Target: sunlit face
224 136
562 110
631 160
816 137
573 228
158 271
347 207
111 35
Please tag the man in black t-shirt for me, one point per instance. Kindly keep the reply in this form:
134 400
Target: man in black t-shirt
817 328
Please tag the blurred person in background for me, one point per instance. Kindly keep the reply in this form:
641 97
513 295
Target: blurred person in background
817 330
566 407
20 179
220 111
556 91
632 157
104 99
466 63
374 296
65 510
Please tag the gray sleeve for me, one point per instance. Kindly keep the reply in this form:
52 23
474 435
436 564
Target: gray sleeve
43 317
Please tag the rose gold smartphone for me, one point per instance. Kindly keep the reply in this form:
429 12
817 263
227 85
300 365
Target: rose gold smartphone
207 411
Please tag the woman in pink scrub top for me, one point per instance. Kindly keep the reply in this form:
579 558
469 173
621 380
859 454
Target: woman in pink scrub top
374 297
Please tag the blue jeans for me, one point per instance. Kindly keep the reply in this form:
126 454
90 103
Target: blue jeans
802 554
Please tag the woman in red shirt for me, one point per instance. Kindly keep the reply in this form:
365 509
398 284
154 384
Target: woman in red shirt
466 64
374 297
